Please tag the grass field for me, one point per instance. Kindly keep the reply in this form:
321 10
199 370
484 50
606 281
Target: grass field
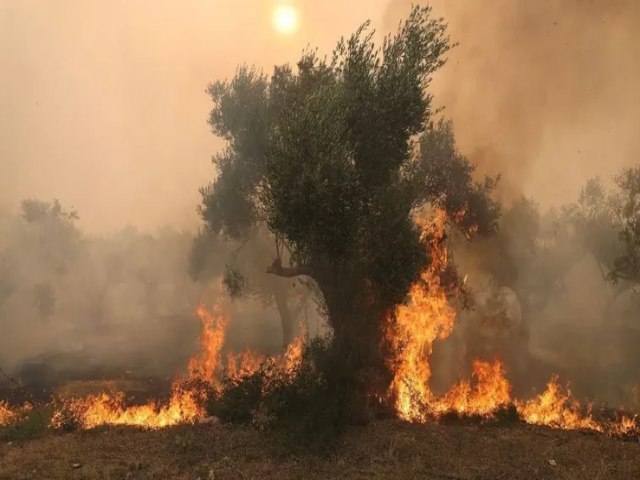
385 450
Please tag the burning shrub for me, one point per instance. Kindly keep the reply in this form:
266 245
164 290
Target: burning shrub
295 402
239 398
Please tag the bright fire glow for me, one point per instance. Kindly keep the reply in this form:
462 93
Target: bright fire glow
7 415
186 404
425 317
556 408
188 394
285 19
10 415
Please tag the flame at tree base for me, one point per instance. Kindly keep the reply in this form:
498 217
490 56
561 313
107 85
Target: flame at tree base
426 317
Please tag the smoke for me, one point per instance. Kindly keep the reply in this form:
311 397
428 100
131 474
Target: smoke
543 92
104 107
104 103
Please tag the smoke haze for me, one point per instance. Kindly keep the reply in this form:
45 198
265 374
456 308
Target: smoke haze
104 103
104 107
542 92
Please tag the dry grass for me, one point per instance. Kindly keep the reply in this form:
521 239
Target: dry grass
388 450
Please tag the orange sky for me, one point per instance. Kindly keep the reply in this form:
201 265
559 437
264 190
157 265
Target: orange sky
103 103
103 106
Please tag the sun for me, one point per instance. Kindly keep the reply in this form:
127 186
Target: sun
285 19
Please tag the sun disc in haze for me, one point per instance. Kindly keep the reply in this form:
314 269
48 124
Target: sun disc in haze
285 19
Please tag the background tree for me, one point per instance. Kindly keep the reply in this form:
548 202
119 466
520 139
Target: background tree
324 156
38 247
242 268
608 226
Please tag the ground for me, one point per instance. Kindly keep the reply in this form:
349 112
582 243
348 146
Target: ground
385 450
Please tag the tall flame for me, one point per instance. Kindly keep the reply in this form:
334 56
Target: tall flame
426 317
416 325
204 366
188 394
186 404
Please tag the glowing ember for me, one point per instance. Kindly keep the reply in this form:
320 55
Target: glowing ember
7 415
10 415
243 365
425 317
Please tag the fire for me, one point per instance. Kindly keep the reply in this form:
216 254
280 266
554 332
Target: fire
556 407
205 365
426 317
93 411
244 365
490 392
7 415
188 395
416 325
10 415
292 358
249 362
628 426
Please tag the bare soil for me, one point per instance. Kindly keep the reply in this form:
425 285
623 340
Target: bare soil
386 450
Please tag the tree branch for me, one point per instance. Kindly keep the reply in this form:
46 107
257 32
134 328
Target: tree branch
289 272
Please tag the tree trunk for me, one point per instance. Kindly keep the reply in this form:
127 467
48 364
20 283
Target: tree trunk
360 371
280 295
357 371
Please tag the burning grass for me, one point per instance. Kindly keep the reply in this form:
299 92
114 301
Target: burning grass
252 388
190 394
426 317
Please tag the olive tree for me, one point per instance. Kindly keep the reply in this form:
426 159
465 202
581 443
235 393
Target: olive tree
335 158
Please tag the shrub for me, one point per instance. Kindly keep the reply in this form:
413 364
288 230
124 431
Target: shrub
302 408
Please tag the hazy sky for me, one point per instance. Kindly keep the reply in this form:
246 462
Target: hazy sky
102 103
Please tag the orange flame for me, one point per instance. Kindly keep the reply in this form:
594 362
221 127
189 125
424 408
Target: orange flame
490 392
10 415
205 365
186 404
627 426
244 365
188 395
556 407
292 359
426 317
7 414
416 325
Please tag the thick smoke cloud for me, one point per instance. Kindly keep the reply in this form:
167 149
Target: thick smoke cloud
542 92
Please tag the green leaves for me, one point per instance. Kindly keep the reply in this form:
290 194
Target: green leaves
323 155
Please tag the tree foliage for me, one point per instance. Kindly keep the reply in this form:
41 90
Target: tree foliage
335 158
608 224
